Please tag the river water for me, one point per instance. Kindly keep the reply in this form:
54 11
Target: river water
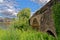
3 26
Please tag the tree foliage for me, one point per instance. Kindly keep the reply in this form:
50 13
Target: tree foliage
25 13
22 19
56 15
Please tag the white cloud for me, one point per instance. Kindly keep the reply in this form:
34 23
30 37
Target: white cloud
7 7
41 1
1 1
44 1
12 11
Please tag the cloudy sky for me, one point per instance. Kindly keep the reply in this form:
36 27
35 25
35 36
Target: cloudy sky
9 8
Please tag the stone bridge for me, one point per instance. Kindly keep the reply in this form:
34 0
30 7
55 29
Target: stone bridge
42 20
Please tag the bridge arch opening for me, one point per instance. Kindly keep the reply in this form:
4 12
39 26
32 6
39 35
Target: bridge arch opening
50 33
35 21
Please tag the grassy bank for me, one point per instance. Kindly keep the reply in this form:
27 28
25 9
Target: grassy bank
23 35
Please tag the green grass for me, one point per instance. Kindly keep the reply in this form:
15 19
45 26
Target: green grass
15 34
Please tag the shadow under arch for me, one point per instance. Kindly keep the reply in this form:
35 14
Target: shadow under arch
50 33
35 21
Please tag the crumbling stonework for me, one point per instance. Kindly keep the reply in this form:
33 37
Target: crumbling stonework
42 20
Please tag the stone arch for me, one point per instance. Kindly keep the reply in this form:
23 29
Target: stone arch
35 21
50 33
35 24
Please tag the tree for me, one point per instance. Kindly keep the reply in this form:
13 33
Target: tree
23 17
25 13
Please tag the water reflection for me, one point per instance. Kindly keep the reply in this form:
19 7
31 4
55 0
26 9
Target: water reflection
3 26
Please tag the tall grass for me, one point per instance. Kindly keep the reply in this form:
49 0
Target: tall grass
15 34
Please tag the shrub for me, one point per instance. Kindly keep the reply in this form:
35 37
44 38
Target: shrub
56 15
22 20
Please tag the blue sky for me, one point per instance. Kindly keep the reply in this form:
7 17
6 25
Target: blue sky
10 8
28 4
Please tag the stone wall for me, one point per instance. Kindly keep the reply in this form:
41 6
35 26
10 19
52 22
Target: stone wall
42 20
